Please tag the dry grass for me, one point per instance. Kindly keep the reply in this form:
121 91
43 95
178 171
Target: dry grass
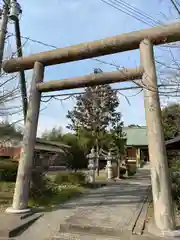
65 192
102 176
6 194
54 194
150 211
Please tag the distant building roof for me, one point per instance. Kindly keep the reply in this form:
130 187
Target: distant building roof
52 143
173 144
41 144
173 140
136 136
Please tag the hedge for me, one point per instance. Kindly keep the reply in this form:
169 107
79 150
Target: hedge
8 170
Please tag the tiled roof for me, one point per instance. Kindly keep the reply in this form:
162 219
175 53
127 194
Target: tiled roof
41 144
136 136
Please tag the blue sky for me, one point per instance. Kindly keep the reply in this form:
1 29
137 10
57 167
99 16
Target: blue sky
68 22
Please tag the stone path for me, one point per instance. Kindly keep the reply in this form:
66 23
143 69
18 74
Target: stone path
106 213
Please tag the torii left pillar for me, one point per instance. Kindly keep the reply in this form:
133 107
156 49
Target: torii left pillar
21 194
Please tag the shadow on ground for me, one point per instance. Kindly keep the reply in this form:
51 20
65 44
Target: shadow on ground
123 192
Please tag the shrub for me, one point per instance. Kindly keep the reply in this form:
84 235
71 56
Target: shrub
42 188
176 189
175 181
44 192
77 178
61 178
8 171
122 171
73 178
131 169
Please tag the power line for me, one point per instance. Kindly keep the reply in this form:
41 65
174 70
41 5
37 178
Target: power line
133 12
33 40
98 60
118 8
175 6
69 95
140 12
55 47
95 59
178 3
136 10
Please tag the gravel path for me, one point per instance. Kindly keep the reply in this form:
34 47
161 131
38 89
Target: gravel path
112 206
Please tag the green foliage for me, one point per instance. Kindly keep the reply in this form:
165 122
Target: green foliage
94 110
176 189
44 192
7 129
175 181
122 171
131 169
76 158
171 121
76 178
117 142
54 135
8 170
6 194
76 155
41 188
92 117
96 124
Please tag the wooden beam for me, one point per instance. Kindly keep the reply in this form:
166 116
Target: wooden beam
91 80
124 42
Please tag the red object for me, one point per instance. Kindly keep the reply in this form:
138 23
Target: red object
11 152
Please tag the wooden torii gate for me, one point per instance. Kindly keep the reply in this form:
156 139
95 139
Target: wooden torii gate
144 39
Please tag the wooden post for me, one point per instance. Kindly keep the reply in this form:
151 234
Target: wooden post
162 200
21 194
138 159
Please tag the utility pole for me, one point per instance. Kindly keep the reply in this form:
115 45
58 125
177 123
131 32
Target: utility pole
161 190
3 29
15 10
21 73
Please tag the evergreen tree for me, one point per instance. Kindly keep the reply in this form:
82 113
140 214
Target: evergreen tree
171 121
94 112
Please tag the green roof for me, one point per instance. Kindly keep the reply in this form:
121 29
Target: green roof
136 136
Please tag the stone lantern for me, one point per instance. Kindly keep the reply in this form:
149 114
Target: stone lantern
109 167
91 166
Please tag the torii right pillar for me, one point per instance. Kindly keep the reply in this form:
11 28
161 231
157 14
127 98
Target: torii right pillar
160 178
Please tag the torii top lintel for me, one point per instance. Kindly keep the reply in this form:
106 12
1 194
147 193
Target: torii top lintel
124 42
